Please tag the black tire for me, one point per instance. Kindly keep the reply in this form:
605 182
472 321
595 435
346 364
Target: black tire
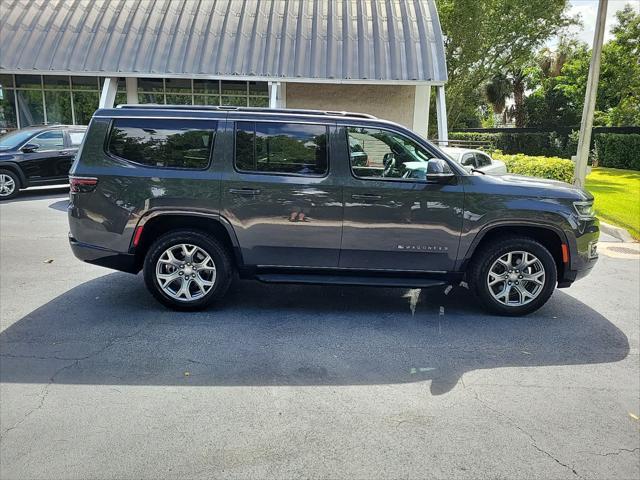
16 183
490 253
223 268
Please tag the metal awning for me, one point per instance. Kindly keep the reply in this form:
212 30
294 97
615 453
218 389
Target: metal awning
354 41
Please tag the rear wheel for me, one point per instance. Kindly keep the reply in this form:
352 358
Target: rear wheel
9 184
187 270
514 276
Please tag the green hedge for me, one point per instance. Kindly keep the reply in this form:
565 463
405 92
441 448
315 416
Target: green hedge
548 144
536 166
618 150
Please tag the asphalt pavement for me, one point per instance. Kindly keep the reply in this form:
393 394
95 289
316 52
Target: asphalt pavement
97 380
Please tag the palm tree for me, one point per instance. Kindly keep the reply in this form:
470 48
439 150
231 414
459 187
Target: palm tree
500 88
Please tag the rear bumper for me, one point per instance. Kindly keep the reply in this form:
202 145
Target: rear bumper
125 262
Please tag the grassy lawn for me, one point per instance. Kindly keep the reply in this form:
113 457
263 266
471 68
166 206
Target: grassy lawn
617 194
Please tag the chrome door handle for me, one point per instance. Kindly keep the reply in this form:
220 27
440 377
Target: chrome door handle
244 191
366 196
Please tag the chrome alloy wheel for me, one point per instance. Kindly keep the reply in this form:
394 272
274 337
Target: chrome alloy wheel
185 272
7 185
516 278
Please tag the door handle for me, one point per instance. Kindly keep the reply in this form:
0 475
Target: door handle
244 191
366 196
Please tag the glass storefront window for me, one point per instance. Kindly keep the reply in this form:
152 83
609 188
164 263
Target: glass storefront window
151 98
30 107
58 107
234 88
85 83
178 85
258 101
259 88
206 100
148 85
55 82
84 105
6 81
234 101
29 81
178 99
8 119
206 86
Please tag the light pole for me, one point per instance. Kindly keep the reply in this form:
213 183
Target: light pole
590 97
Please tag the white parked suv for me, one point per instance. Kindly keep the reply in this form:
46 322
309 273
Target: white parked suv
476 160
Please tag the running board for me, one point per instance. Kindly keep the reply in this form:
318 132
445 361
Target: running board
319 279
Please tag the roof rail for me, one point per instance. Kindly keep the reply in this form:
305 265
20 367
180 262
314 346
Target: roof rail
247 109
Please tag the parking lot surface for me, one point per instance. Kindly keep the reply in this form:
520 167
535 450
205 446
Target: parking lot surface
100 381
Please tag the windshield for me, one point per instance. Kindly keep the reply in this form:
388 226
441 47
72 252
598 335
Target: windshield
14 139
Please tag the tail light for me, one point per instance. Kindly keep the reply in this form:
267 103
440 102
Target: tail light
82 184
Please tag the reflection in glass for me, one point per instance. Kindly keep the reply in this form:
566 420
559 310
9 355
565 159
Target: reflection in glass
84 83
234 88
206 100
281 148
206 86
28 81
7 109
56 82
30 107
163 143
84 105
178 99
258 102
150 85
151 98
178 85
234 101
58 106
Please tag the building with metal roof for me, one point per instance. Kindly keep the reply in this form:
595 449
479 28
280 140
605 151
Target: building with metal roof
377 56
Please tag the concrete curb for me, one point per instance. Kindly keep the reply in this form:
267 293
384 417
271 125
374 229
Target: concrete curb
617 232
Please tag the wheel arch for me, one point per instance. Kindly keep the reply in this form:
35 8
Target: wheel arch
15 168
551 236
158 223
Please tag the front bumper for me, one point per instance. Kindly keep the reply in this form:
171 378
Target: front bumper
125 262
583 253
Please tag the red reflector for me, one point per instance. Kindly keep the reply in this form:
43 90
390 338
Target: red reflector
565 253
82 184
137 235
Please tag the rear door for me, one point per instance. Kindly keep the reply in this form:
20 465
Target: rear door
280 195
394 219
51 160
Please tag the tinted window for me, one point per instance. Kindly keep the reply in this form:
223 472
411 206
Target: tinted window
76 137
49 140
163 143
281 148
468 160
377 154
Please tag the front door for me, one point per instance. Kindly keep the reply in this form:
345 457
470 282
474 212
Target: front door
394 218
50 160
280 196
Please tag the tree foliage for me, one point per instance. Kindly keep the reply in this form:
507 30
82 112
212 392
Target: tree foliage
489 37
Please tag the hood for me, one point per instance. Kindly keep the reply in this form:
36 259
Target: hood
540 187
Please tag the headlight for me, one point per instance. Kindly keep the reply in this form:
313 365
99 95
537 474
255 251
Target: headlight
585 210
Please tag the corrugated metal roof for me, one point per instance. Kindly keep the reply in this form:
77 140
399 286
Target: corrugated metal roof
348 40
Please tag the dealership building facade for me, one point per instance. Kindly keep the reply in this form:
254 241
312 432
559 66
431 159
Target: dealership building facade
60 60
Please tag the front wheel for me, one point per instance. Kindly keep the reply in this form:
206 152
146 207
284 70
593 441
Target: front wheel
9 184
514 276
187 270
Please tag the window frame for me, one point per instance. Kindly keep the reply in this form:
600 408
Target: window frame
327 127
114 156
389 179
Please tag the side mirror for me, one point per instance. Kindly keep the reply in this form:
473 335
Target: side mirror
439 171
30 147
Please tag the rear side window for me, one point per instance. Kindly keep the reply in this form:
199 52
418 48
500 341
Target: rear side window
483 160
288 148
76 137
163 143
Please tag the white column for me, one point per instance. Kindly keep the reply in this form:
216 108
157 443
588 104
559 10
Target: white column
108 95
132 90
586 124
441 110
274 94
422 99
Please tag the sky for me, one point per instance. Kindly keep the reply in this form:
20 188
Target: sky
588 10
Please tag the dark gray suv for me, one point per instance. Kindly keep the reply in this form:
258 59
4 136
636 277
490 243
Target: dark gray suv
197 195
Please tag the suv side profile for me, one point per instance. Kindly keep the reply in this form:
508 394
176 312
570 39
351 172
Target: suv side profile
195 196
36 156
